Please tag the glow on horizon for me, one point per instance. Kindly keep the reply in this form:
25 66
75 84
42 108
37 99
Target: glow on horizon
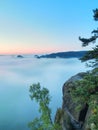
44 26
31 51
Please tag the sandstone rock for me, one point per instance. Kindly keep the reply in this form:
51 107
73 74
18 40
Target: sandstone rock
71 115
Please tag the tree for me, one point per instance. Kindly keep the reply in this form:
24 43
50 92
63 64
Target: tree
86 91
92 54
42 97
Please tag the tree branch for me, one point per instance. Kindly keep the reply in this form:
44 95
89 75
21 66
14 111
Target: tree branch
86 41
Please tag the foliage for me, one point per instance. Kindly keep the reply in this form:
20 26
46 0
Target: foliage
59 115
92 54
86 87
42 97
86 90
95 14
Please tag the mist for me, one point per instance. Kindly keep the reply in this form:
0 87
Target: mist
16 76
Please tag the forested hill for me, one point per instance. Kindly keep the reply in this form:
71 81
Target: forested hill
69 54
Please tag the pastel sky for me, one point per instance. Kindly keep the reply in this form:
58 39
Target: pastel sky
44 26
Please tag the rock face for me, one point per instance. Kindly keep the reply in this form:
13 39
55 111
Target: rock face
73 119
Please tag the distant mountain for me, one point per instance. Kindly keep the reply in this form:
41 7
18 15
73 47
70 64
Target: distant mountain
69 54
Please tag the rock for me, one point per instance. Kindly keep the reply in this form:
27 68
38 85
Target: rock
71 117
20 56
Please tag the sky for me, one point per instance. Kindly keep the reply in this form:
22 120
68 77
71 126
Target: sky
45 26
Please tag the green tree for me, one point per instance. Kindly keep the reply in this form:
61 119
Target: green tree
42 97
87 88
92 54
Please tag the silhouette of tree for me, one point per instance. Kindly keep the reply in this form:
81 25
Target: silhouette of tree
92 54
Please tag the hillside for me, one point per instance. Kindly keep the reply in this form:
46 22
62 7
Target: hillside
69 54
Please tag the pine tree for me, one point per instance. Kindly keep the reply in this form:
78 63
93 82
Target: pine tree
92 54
86 91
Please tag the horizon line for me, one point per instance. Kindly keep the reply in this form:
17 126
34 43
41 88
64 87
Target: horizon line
35 53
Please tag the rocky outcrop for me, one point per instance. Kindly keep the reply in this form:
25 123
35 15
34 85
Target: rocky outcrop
20 56
73 119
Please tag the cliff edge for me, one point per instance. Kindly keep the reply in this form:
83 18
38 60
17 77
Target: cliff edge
73 118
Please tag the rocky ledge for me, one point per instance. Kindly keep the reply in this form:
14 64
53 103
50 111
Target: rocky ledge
72 118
